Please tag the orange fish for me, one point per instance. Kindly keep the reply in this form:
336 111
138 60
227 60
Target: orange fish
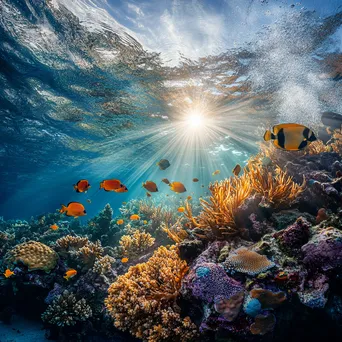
135 217
8 273
166 181
54 227
150 186
124 260
122 189
181 209
217 172
195 180
70 273
189 198
177 187
120 221
148 194
110 184
236 170
75 209
82 186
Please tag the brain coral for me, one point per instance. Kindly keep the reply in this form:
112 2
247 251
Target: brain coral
209 282
249 262
143 300
33 254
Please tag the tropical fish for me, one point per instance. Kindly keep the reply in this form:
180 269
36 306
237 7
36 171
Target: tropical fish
135 217
145 222
124 260
111 184
202 185
75 209
148 194
181 209
70 273
290 136
122 189
166 181
120 221
82 186
89 200
216 172
124 203
177 187
54 227
8 273
150 186
237 170
189 198
163 164
195 180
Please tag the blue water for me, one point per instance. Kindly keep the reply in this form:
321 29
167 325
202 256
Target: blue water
89 90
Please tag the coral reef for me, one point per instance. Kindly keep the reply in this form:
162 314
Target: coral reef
143 300
34 255
67 310
135 244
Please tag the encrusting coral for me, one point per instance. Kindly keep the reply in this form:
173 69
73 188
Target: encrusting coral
136 243
66 310
248 262
33 254
143 300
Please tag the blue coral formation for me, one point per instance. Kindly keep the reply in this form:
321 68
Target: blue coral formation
252 307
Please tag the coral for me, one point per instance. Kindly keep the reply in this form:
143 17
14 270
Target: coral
135 244
209 282
336 143
143 300
229 308
89 253
267 298
252 307
70 243
321 215
248 262
295 236
104 265
324 250
263 324
176 232
35 255
317 147
66 310
190 249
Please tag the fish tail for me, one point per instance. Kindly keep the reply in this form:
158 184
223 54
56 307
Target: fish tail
101 185
63 209
269 135
66 277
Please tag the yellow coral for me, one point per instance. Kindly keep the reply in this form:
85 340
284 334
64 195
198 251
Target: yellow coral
143 300
336 142
89 253
33 254
176 233
138 242
69 243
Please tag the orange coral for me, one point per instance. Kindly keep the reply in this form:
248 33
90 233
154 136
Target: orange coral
176 233
263 324
336 142
268 299
138 242
143 300
249 262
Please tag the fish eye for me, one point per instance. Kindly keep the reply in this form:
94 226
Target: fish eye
84 211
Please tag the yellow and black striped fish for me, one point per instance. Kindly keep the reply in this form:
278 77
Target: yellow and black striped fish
290 136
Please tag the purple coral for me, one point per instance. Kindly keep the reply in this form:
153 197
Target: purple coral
209 281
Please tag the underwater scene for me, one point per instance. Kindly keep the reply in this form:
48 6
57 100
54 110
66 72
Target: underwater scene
170 170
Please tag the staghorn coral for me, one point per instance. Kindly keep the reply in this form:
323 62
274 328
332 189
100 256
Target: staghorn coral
176 232
138 242
317 147
248 262
33 254
268 299
66 310
143 300
104 265
263 324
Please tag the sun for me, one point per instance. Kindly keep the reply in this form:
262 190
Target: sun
195 119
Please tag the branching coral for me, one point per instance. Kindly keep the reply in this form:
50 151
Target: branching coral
89 253
249 262
138 242
336 143
176 232
143 300
33 254
67 310
104 265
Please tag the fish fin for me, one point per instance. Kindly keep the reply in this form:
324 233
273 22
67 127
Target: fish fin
75 217
63 209
303 144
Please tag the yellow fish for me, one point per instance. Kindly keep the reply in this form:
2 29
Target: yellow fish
181 209
124 203
217 172
8 273
70 274
177 187
75 209
145 222
236 170
135 217
54 227
124 260
290 136
120 221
